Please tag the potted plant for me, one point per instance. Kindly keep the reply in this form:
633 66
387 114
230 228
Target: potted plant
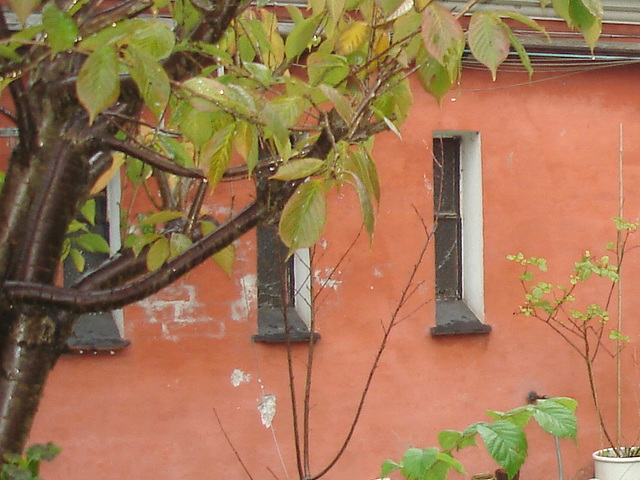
585 327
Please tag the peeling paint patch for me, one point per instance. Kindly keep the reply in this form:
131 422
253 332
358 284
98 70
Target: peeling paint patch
177 308
248 298
377 273
238 377
327 278
267 409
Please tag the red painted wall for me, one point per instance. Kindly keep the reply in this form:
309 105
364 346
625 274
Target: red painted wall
550 152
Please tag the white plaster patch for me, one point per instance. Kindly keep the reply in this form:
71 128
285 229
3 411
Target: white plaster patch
377 273
248 298
175 308
267 409
238 377
327 278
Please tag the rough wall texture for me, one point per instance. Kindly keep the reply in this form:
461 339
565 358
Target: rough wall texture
550 151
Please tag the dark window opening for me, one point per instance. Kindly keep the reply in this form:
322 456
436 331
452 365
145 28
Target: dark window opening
276 292
94 331
453 316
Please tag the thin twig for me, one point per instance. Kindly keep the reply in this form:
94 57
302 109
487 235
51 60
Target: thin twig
233 448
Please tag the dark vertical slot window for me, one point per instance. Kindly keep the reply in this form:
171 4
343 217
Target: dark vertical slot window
448 234
94 331
276 291
453 316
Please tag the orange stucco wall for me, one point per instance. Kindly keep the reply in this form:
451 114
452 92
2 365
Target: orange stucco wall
550 151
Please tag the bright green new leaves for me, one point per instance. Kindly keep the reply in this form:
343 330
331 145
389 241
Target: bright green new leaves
62 31
98 85
489 40
504 438
304 216
443 37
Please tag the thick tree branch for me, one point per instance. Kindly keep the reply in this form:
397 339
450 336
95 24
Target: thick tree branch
151 157
152 282
95 22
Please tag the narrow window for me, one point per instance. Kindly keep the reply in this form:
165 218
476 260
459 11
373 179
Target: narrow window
100 331
457 206
284 292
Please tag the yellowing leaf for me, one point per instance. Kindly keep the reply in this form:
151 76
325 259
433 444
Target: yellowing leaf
443 37
98 85
23 8
225 259
489 40
295 169
158 254
107 175
352 38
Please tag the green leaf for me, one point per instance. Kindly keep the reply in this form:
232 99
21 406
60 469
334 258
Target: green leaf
226 258
275 129
92 242
387 467
522 52
366 205
88 211
78 259
23 8
296 169
506 443
42 452
416 462
178 243
443 37
342 106
435 78
155 38
556 418
98 85
304 216
161 217
586 16
301 37
197 126
488 40
327 68
62 31
217 154
449 439
158 254
211 95
150 78
289 109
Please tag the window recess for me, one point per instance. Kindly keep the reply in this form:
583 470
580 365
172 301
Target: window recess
284 291
457 205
